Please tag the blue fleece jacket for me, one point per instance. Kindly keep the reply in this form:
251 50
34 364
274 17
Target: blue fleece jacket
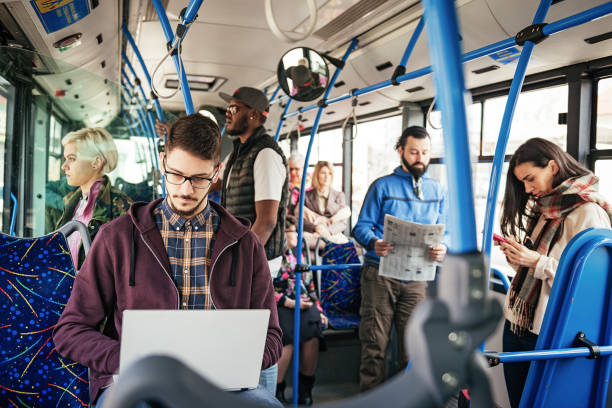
393 194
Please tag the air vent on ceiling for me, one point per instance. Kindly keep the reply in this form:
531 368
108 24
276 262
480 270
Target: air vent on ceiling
485 69
384 65
151 14
339 84
330 112
99 38
598 38
197 83
556 1
354 13
364 103
415 89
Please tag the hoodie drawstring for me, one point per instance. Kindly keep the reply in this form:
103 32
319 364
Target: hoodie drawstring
132 256
234 260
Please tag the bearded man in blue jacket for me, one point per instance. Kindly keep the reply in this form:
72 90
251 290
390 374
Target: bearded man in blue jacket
410 195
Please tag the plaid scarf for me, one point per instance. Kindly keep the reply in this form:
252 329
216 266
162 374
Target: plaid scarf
554 207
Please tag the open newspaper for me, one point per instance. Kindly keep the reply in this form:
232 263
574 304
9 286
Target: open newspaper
409 259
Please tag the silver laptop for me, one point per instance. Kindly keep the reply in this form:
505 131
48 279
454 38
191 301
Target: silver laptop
224 346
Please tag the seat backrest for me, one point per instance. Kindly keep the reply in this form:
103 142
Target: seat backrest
341 289
580 301
36 278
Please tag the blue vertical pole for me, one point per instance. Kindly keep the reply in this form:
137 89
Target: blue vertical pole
282 120
504 131
443 38
158 109
298 275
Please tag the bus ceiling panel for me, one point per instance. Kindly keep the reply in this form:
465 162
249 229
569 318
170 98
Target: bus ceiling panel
231 77
515 15
81 94
103 20
478 29
569 47
251 13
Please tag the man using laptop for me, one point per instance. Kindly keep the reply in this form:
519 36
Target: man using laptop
180 252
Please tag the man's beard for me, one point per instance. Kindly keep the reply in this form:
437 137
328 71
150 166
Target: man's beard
417 172
189 213
240 128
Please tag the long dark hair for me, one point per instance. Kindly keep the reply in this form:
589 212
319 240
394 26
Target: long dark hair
518 215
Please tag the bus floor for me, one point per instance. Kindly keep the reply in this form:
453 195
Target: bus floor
337 375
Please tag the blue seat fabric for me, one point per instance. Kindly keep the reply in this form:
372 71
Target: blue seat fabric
341 289
36 278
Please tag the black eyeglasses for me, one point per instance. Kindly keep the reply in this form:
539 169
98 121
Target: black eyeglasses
196 182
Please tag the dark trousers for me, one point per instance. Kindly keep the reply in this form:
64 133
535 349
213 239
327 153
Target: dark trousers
384 301
516 373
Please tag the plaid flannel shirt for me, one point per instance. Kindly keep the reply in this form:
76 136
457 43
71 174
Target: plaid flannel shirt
189 245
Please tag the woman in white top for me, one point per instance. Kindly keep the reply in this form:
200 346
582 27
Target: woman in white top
549 198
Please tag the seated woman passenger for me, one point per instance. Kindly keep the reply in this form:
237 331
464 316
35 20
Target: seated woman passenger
325 210
549 199
89 155
296 165
311 321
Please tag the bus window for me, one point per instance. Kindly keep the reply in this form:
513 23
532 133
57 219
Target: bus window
536 115
474 112
604 134
3 113
373 156
604 114
55 150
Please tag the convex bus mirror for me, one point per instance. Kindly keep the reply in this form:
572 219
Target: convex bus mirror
303 74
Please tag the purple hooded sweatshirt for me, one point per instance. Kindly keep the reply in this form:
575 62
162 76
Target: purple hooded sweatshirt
128 268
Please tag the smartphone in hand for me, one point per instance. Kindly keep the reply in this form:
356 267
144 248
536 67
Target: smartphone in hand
499 238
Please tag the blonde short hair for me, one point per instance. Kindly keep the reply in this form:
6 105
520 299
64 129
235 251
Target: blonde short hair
317 170
94 142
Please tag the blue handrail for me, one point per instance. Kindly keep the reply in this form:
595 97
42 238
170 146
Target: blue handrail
274 93
138 83
282 120
552 28
130 89
504 131
298 275
334 267
502 277
158 108
521 356
13 215
188 18
413 40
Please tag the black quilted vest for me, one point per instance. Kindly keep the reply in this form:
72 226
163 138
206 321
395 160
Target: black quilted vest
239 195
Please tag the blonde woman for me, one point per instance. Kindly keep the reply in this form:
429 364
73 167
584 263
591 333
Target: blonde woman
90 154
325 211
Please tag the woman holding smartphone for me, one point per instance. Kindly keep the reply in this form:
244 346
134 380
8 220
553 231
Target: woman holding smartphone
549 198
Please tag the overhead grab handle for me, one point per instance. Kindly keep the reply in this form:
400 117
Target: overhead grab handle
312 7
